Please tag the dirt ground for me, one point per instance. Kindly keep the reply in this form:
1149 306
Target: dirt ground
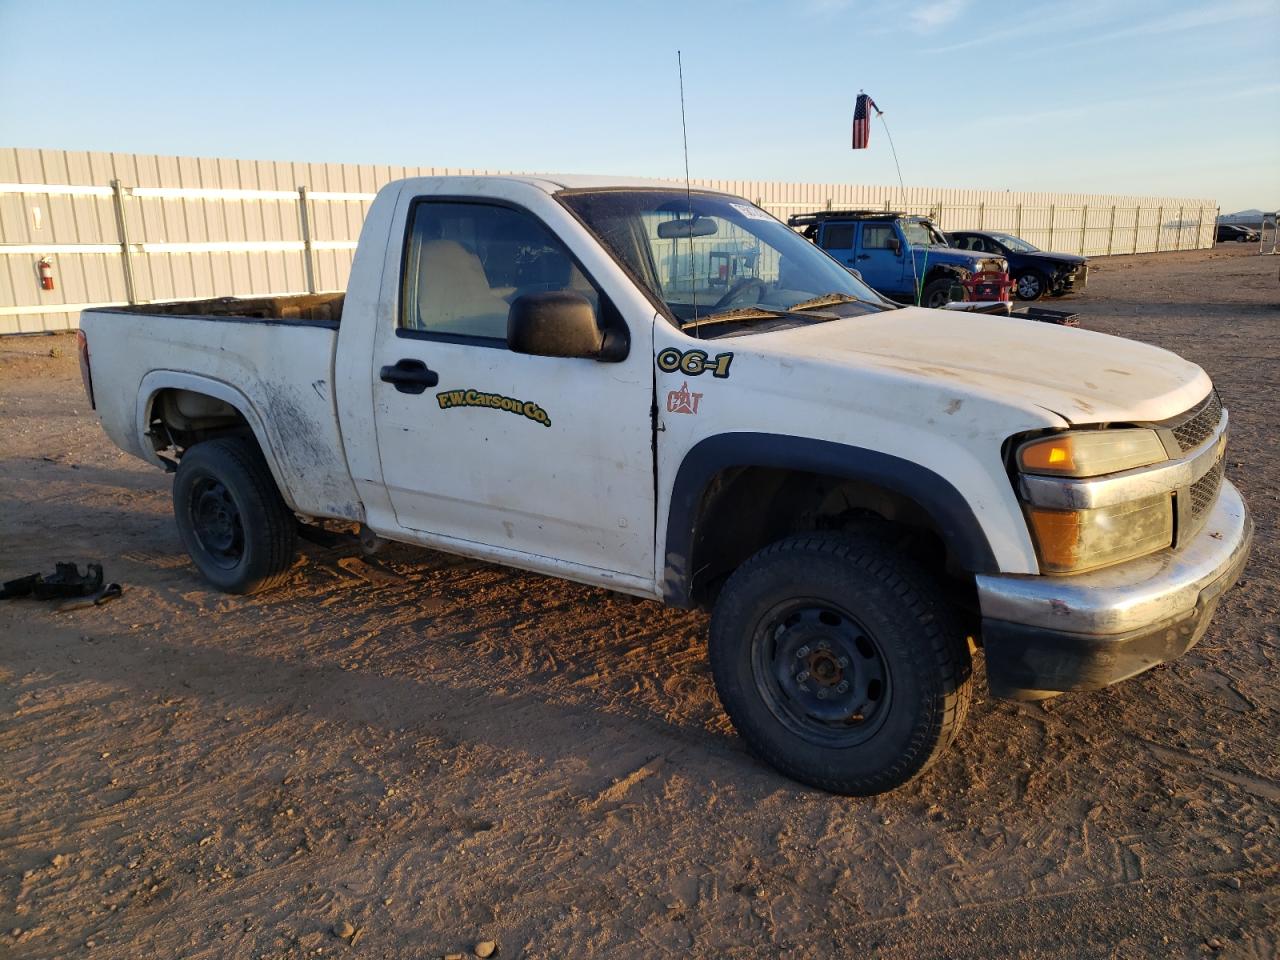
439 752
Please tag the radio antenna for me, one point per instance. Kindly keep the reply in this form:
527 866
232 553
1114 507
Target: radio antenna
915 272
688 192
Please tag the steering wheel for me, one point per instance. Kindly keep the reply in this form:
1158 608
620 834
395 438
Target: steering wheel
734 293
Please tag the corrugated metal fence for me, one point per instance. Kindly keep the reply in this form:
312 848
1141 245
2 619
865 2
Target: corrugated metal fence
132 228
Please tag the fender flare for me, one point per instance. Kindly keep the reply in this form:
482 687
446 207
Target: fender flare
158 380
954 519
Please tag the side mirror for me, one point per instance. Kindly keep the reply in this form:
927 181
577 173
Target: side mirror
857 274
556 324
895 245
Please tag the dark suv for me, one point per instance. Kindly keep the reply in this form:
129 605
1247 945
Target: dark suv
1035 272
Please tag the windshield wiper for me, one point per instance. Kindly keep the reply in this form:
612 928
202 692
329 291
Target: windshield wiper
736 315
826 300
831 300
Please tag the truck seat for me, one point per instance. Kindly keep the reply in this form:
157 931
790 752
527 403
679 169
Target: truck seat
454 294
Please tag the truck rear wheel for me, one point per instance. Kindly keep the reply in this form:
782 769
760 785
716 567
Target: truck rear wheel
235 525
839 662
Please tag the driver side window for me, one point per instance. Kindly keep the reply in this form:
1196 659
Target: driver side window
877 236
466 263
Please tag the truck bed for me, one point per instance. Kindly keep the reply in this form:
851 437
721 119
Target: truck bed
320 309
271 358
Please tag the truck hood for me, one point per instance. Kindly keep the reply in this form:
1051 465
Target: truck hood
936 253
1082 376
1068 258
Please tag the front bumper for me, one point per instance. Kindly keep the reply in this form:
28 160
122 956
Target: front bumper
1074 280
1045 635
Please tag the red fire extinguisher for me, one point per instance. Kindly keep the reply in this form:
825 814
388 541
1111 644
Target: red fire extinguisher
46 273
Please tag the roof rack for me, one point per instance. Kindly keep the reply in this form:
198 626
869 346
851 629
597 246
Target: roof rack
804 219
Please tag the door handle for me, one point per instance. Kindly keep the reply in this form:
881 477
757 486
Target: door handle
409 376
864 256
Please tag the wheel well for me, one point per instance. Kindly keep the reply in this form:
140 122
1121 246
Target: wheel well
941 272
180 419
744 509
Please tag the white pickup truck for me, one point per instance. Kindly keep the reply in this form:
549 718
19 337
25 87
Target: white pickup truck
671 394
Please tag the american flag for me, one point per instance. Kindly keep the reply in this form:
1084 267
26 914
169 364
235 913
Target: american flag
862 121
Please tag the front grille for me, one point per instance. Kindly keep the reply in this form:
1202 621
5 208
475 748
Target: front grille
1205 491
1199 424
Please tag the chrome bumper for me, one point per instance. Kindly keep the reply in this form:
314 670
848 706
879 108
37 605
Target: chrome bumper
1049 634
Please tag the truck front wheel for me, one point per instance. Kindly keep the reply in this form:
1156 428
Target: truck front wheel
937 294
839 662
1030 285
235 525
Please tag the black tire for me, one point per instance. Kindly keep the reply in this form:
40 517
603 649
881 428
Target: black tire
937 294
1030 285
871 605
235 525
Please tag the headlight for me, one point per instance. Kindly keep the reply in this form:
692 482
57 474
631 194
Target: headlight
1091 453
1072 541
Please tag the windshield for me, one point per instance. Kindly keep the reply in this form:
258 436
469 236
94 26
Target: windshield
921 233
1014 244
729 255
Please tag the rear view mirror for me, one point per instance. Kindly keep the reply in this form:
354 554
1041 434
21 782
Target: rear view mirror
857 274
560 324
682 229
895 244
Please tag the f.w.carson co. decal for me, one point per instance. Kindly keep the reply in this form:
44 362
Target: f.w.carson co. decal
682 401
694 363
449 399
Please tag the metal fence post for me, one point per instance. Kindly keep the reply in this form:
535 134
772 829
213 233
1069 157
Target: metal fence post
1200 229
1159 226
982 215
304 219
122 231
1137 223
1180 228
1111 230
1017 230
1051 215
1084 225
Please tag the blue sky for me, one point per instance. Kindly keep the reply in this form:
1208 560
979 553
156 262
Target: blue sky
1111 96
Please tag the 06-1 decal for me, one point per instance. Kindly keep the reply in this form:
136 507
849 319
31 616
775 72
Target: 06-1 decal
449 399
694 363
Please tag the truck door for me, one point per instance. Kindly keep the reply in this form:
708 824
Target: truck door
549 457
881 264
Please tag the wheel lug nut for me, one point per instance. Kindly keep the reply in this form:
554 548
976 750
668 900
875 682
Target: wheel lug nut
802 676
842 686
843 661
802 652
822 694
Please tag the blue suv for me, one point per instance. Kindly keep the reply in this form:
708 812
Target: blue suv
904 257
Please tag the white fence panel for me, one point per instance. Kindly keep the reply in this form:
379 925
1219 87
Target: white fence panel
186 228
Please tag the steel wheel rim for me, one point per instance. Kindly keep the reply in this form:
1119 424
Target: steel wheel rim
215 520
821 673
